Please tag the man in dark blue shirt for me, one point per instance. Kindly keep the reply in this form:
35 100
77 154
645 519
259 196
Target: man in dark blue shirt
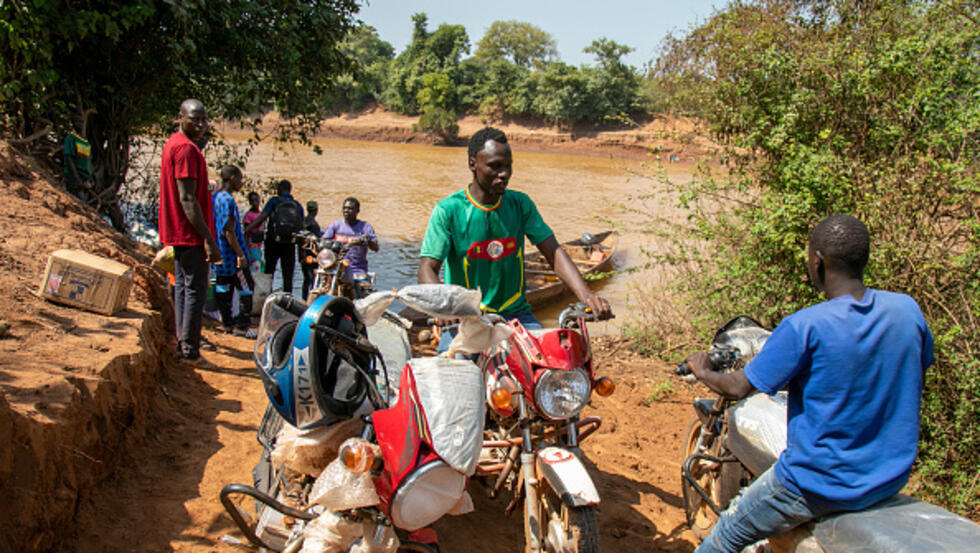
280 249
853 366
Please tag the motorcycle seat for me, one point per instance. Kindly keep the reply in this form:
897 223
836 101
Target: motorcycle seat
900 524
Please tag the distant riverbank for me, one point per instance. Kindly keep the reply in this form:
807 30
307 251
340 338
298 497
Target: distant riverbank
667 139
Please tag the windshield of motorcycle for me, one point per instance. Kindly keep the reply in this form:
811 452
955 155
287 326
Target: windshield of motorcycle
744 334
273 317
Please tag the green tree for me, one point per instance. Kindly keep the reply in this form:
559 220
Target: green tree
373 56
436 99
868 108
128 65
520 43
437 52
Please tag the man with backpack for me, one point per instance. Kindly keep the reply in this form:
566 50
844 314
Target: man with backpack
285 217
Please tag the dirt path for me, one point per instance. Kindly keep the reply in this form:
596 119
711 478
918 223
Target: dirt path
166 495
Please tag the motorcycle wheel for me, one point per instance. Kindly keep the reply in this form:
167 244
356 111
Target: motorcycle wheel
721 484
575 529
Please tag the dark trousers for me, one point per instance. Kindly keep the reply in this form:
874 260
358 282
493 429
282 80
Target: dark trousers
190 291
224 290
284 254
309 275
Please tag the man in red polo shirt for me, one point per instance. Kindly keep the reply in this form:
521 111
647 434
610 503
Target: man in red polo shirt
187 224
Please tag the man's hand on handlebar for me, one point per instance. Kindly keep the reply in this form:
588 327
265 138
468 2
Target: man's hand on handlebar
599 306
699 363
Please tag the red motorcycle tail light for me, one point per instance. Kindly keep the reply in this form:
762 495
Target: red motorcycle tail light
501 398
605 386
357 455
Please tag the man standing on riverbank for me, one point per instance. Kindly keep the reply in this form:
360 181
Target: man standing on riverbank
187 224
233 272
78 160
479 231
285 217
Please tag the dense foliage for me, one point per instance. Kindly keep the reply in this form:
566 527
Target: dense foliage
514 73
129 64
869 108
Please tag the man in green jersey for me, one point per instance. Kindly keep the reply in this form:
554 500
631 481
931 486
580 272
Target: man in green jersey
479 233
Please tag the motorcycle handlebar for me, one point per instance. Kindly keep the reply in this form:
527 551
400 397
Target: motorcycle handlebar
291 304
720 359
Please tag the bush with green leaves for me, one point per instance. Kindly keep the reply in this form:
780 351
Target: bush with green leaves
866 108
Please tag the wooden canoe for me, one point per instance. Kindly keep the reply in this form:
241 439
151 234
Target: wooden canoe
544 286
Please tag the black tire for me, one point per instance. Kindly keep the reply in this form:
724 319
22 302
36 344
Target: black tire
580 525
721 484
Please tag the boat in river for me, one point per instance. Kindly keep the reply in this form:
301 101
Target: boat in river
592 253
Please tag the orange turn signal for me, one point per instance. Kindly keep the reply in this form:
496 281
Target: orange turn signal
605 386
357 455
501 398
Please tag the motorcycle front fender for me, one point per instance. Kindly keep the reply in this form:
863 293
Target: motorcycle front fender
567 476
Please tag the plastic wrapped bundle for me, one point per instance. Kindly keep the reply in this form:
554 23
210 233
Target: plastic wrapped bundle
339 489
329 533
371 307
310 451
478 334
447 301
451 391
377 539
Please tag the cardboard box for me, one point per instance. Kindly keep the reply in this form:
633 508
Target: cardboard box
80 279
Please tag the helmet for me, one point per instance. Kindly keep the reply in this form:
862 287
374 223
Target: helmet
315 373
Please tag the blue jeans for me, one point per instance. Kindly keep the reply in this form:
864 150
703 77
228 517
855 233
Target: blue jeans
764 509
526 319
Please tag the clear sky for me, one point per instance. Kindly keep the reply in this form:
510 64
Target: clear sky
574 24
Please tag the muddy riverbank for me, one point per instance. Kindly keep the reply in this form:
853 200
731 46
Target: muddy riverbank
663 138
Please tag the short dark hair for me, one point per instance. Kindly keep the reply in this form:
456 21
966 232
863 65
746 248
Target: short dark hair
480 137
844 239
253 193
229 171
284 187
353 200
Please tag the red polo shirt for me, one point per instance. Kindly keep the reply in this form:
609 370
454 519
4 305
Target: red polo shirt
182 159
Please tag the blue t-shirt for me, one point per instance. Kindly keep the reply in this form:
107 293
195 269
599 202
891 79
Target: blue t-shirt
854 370
224 207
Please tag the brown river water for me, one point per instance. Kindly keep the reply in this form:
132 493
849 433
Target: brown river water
398 185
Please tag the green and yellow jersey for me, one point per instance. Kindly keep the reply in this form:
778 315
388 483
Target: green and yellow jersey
483 246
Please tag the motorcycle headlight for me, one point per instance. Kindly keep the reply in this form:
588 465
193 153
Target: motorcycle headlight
326 258
562 394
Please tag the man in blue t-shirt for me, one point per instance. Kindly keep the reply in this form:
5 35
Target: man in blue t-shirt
853 366
233 272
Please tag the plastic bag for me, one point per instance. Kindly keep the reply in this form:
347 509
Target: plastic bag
310 451
451 391
339 489
329 533
478 334
371 307
377 539
447 301
263 287
463 506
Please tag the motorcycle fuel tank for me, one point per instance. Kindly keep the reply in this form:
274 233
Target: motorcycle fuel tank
757 430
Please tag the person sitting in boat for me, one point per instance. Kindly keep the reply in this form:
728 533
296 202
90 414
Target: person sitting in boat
479 232
351 229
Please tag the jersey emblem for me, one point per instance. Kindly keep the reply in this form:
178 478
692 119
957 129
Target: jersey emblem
492 249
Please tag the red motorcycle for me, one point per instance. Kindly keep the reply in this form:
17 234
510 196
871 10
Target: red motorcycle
537 383
409 467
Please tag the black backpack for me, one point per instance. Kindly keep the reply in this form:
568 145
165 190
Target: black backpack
286 220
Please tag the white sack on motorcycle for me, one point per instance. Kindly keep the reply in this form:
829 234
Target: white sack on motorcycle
451 391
